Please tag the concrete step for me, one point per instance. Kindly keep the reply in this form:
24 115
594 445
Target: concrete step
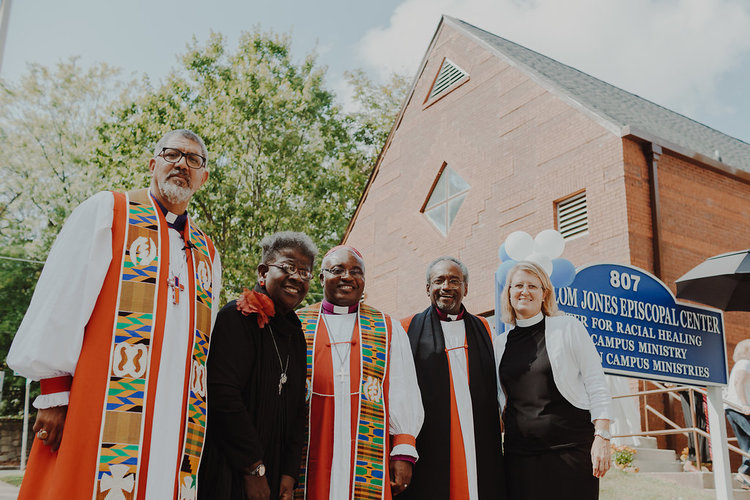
647 442
658 466
654 454
699 480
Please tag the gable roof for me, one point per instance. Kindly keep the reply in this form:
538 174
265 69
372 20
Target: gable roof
626 113
617 110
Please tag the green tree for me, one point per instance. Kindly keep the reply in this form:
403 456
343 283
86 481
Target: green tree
377 107
47 135
17 280
282 154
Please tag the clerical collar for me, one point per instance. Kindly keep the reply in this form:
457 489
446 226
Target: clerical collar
174 221
530 321
329 308
450 317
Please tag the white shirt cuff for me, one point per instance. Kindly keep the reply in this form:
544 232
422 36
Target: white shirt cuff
44 401
405 449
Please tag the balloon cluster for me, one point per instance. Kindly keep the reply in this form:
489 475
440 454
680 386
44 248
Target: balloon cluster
544 250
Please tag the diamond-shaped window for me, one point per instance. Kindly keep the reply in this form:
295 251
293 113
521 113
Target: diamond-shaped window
445 199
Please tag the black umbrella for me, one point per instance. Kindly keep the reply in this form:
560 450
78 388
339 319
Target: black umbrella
722 281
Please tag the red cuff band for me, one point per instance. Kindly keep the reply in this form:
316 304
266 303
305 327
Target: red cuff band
403 439
405 458
56 384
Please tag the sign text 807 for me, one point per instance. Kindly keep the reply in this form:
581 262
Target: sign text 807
625 281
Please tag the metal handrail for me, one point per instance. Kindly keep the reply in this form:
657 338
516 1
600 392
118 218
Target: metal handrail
675 428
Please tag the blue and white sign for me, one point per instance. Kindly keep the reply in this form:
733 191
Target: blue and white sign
640 330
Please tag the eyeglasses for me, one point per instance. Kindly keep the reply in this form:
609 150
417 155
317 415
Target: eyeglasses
453 282
173 155
529 286
340 271
291 269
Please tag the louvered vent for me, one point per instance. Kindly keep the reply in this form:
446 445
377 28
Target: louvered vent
572 216
449 74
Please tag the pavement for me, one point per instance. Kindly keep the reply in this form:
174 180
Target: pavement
8 491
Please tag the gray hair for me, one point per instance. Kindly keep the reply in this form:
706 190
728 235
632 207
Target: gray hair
277 242
187 134
448 258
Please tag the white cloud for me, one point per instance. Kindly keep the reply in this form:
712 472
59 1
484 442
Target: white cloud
672 52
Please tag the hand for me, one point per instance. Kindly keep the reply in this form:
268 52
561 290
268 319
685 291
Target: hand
256 488
286 491
51 420
601 456
400 475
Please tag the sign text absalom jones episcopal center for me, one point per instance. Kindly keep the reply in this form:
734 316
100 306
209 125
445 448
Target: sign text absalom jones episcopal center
641 331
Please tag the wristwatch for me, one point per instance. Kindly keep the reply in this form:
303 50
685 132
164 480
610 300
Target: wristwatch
259 471
604 434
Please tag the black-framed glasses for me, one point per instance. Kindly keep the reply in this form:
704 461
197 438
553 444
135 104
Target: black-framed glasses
340 271
290 269
172 155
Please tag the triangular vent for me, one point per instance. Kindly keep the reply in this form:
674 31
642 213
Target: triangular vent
448 75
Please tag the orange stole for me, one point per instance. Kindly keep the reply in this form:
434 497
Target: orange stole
459 479
314 481
73 472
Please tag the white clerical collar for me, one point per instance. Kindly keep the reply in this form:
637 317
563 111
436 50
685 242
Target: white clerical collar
340 309
452 316
170 217
530 321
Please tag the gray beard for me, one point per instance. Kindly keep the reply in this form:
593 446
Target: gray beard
175 194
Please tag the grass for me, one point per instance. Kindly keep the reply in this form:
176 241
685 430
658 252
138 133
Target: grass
619 485
15 480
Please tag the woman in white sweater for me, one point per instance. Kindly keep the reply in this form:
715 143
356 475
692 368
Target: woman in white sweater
555 400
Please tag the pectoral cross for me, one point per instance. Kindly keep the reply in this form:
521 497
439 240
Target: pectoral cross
177 287
341 374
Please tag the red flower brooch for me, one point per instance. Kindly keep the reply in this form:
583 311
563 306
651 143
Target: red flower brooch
253 302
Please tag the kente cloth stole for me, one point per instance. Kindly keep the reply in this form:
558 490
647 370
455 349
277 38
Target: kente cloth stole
127 401
370 460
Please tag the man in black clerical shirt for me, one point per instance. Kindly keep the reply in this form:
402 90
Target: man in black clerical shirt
460 444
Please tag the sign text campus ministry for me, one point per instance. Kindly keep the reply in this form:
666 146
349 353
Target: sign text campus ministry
640 330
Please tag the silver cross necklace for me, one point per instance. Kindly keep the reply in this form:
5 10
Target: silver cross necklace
341 374
282 377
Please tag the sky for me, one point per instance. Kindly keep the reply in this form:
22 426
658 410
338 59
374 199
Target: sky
692 56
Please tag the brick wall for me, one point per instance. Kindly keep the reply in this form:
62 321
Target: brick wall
519 146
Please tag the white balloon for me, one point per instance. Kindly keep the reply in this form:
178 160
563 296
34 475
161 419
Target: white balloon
518 245
550 243
542 261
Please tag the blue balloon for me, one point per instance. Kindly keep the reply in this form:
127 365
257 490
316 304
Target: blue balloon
502 253
502 272
563 273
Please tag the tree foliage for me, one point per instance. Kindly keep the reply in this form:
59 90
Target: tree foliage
47 135
378 105
282 154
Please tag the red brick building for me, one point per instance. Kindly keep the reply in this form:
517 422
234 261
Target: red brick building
495 138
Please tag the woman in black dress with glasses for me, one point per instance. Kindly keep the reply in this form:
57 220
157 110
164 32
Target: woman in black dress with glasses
555 397
256 380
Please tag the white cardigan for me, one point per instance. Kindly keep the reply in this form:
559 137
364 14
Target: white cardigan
576 366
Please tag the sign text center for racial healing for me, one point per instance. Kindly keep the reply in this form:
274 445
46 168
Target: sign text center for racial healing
636 329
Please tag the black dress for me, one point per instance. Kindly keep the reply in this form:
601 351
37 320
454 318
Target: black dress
547 439
247 418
